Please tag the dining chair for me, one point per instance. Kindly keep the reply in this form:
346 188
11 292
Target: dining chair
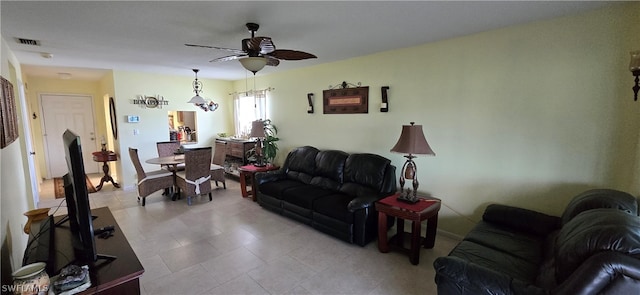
152 181
217 163
195 180
168 148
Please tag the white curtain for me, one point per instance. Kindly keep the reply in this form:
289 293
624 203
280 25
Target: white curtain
249 106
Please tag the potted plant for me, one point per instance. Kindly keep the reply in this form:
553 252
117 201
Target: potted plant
270 144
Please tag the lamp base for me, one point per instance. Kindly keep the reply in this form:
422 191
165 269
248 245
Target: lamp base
408 199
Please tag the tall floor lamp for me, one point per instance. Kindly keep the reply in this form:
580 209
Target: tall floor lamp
257 131
411 142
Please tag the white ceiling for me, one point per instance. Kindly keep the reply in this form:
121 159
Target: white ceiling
86 37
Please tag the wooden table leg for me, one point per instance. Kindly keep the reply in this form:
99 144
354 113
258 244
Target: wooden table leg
254 189
414 255
243 184
430 235
400 232
106 177
383 245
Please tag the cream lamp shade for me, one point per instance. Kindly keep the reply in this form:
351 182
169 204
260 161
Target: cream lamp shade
254 63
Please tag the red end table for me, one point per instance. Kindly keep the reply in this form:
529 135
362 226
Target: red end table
426 209
104 157
248 173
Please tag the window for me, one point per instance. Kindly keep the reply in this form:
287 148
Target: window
249 107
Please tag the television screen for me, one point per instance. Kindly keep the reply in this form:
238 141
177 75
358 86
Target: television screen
77 196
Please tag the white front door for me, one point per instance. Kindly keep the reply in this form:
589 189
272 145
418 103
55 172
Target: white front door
62 112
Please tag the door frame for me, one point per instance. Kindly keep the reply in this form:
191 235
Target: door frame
42 123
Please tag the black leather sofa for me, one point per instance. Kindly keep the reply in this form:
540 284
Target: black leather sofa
330 190
593 248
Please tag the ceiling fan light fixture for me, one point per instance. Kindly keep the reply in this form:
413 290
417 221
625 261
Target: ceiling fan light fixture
254 63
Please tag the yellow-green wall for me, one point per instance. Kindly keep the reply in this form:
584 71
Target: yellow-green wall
15 195
153 125
528 115
38 86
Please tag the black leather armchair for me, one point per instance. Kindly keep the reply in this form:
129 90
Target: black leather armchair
593 248
330 190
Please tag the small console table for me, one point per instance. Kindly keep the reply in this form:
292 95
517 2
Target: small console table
104 157
426 209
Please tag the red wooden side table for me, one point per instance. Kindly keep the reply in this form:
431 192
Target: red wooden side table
104 157
248 173
426 209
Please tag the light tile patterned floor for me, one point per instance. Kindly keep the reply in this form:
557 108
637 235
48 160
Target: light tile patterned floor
233 246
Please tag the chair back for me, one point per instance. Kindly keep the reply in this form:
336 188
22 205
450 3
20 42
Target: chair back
220 153
197 162
133 154
167 148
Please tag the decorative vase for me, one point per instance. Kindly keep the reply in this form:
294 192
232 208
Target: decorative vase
31 279
34 216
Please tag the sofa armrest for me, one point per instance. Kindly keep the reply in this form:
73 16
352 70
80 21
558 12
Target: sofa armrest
268 176
455 275
605 272
364 201
521 219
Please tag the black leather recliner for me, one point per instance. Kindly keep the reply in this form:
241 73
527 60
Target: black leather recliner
330 190
593 248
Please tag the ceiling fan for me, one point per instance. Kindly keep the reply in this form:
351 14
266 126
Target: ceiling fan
256 52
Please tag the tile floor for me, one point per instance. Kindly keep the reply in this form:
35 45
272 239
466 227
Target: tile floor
233 246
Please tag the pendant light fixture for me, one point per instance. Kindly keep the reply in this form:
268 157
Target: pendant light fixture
197 88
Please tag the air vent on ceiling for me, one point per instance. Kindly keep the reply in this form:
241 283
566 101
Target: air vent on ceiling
25 41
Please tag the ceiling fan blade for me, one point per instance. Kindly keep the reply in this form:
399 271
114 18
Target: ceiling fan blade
237 51
262 44
272 61
288 54
228 58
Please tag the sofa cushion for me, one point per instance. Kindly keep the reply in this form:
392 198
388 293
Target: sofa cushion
593 231
335 206
276 188
524 245
366 169
503 262
600 198
301 163
304 195
330 165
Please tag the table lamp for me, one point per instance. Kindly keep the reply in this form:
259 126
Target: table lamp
257 131
411 141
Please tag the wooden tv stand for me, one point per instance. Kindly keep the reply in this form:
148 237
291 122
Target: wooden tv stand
119 276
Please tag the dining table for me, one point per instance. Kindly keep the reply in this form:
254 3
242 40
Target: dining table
170 161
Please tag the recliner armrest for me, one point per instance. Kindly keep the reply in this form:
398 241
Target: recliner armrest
364 201
613 272
267 176
521 219
455 275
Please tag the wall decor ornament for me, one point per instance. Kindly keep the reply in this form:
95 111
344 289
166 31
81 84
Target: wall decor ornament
310 101
151 102
384 106
343 99
8 116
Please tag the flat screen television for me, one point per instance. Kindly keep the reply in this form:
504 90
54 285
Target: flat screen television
77 197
